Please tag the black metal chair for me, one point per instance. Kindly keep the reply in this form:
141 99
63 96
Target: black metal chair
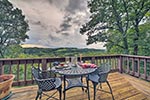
46 84
99 77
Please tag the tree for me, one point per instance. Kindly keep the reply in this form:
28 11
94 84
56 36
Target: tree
13 51
110 21
143 39
13 26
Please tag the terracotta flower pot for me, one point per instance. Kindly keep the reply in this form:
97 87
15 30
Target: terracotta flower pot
6 81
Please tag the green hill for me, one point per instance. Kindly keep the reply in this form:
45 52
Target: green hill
62 52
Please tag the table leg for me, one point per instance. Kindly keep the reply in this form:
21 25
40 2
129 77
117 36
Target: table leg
88 88
82 82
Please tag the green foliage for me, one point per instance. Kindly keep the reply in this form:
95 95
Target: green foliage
106 19
13 26
111 20
16 51
144 40
61 52
13 51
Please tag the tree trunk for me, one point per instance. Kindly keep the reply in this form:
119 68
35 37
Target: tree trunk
126 51
135 52
135 40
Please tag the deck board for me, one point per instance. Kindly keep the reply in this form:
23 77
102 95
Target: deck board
140 84
122 90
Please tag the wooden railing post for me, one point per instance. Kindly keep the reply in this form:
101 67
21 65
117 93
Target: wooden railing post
145 69
1 68
44 64
120 64
93 60
44 67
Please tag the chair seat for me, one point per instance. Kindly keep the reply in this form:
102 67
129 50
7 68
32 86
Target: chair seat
94 78
57 82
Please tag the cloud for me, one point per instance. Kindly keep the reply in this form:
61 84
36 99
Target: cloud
65 26
55 23
76 5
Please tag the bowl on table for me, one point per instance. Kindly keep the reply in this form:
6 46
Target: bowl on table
61 66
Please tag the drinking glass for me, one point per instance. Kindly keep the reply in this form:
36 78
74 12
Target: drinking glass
67 60
74 60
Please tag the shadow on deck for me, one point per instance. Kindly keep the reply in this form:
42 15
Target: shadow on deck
122 85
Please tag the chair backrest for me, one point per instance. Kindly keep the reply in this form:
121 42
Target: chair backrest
44 84
36 73
103 72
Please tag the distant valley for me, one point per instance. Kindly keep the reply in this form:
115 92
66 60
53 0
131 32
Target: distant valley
61 52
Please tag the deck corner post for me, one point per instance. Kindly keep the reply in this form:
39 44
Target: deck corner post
1 68
120 59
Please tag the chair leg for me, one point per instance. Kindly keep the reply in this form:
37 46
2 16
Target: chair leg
37 97
64 94
60 92
39 94
94 85
110 90
87 81
100 85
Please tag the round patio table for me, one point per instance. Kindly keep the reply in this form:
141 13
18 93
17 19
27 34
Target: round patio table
73 75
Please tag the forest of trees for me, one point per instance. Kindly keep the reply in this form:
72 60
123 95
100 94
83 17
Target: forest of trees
124 25
35 52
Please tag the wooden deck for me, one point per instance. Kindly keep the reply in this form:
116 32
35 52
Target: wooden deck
124 87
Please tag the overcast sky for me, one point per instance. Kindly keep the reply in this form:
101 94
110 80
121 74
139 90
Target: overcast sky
55 23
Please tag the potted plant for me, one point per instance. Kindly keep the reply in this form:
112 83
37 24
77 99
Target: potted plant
6 81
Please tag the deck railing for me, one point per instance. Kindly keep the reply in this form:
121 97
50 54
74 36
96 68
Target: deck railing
138 66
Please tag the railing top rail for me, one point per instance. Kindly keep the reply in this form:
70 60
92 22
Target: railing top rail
135 56
57 58
30 58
